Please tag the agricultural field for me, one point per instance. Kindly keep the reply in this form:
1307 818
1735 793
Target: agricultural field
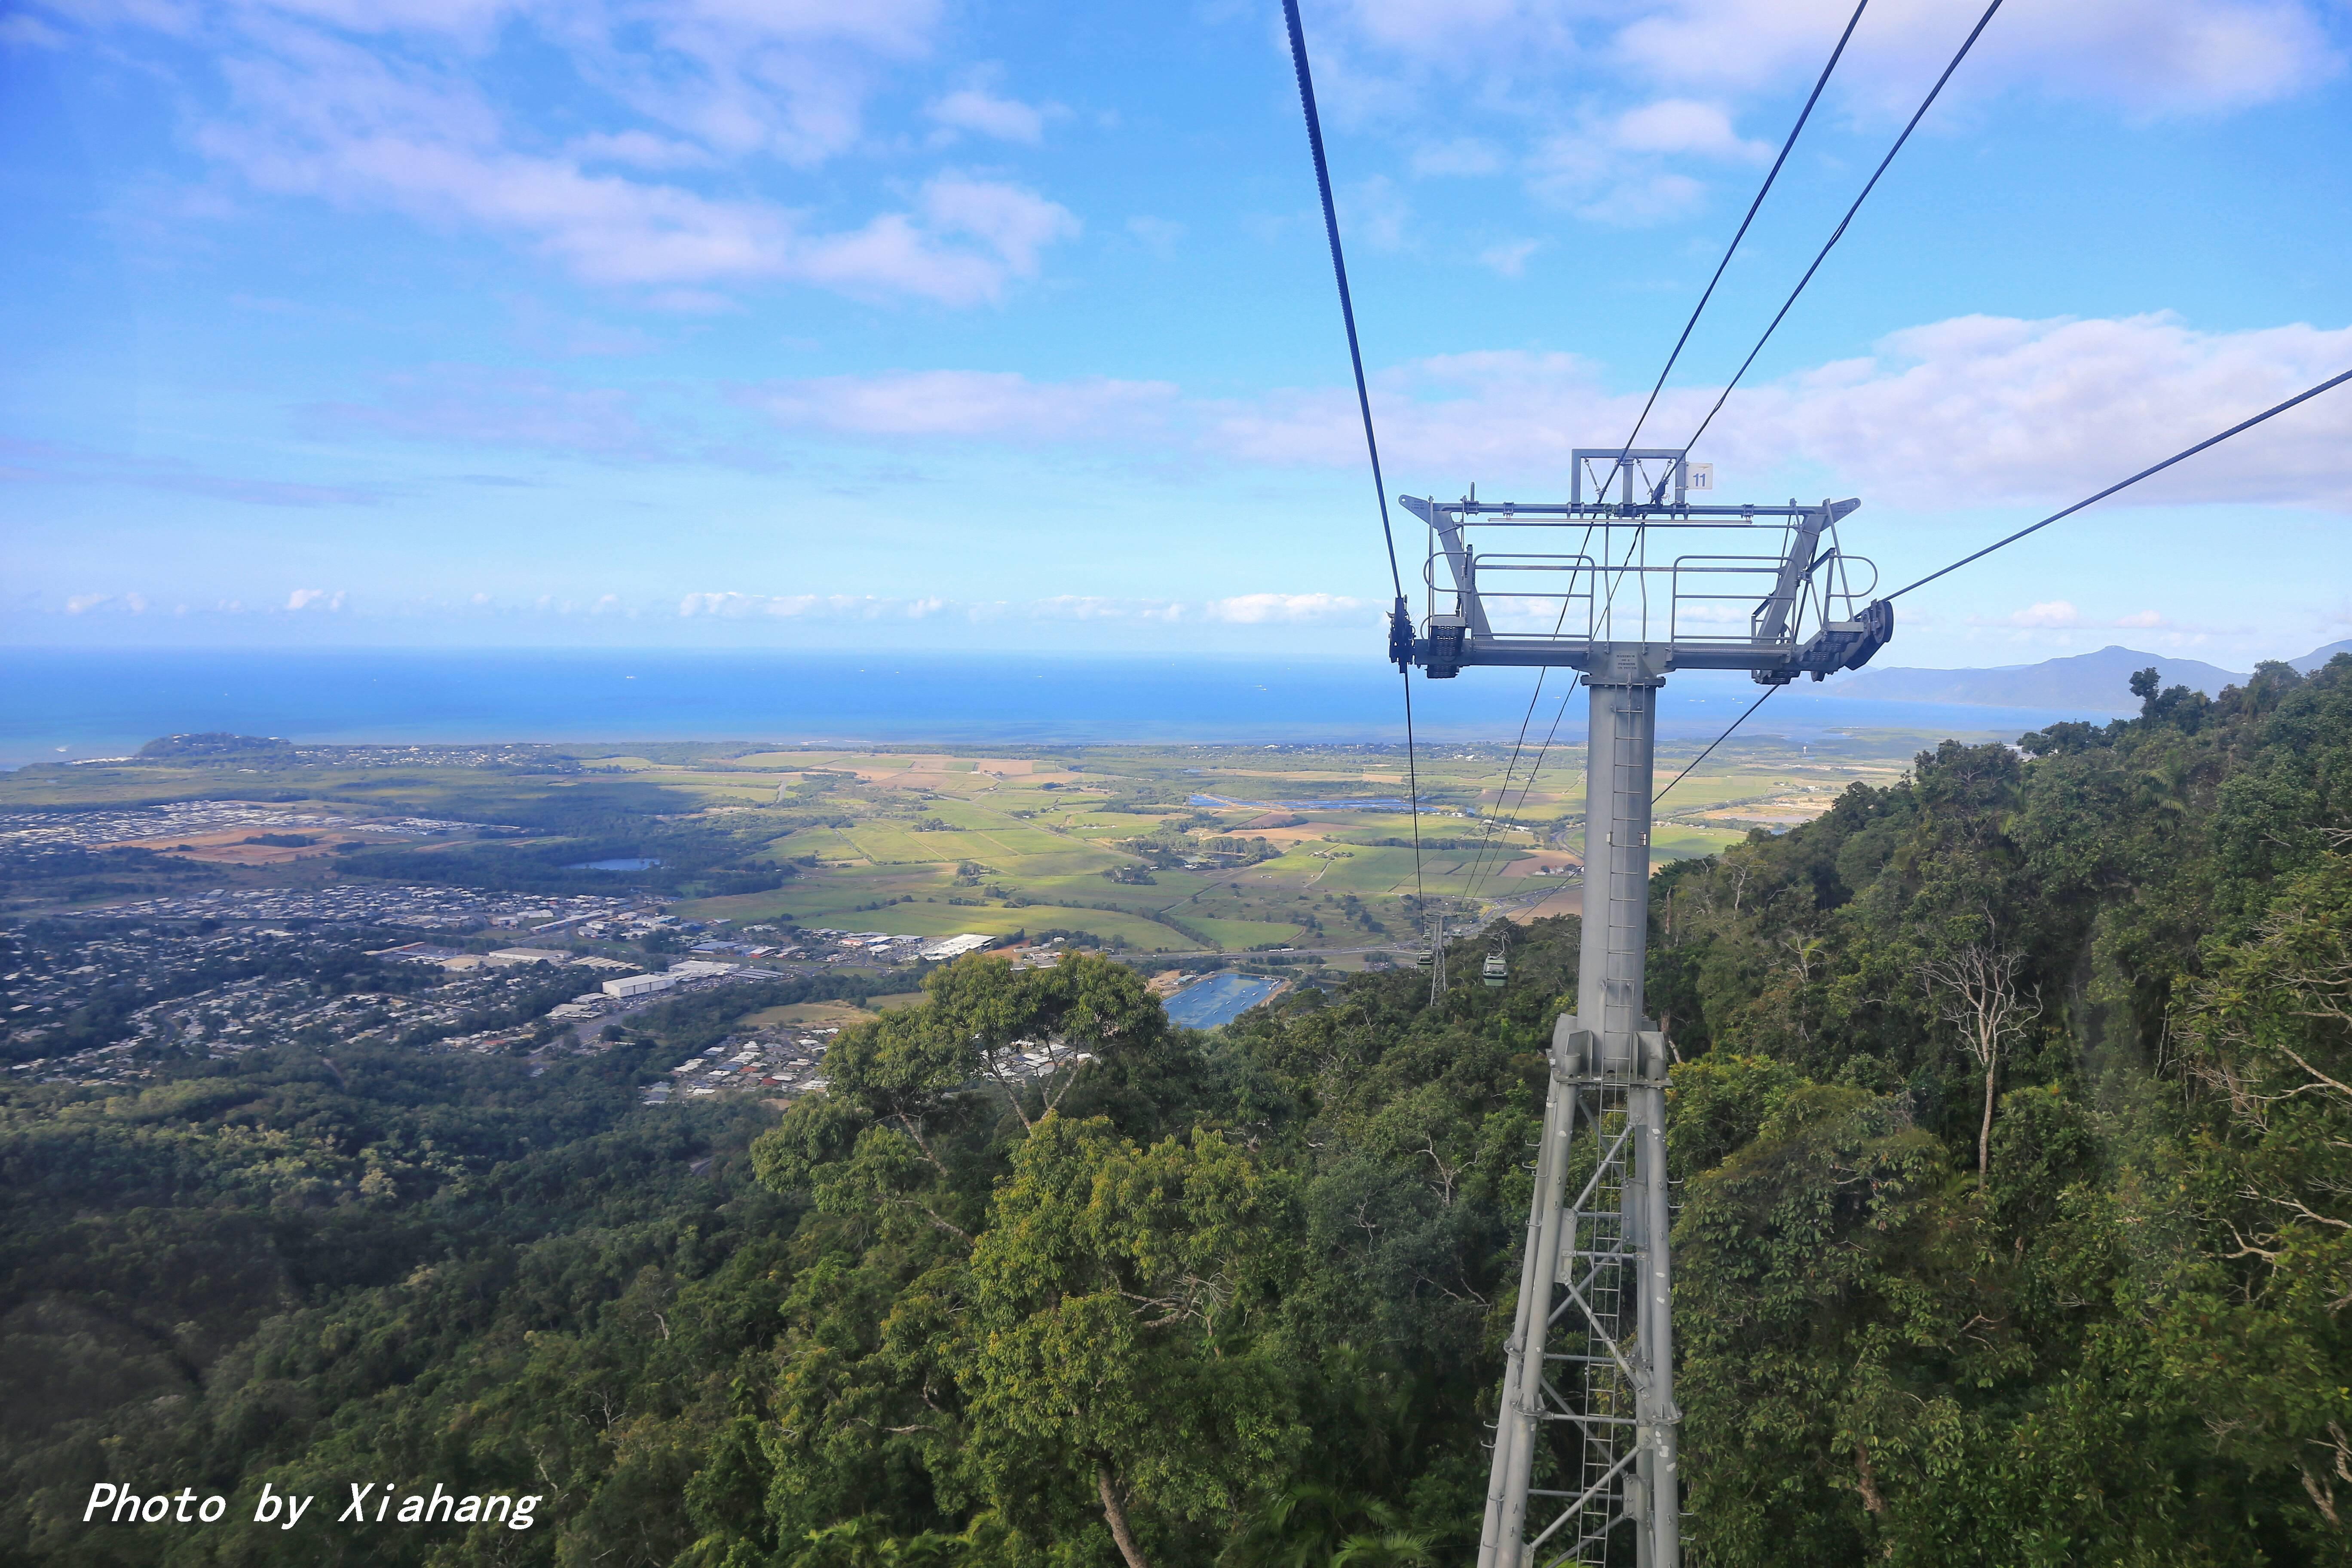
818 1015
1170 849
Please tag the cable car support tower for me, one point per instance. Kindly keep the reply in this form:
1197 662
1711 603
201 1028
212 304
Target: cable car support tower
1625 589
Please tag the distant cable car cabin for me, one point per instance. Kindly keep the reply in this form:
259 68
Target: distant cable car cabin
1496 969
1424 959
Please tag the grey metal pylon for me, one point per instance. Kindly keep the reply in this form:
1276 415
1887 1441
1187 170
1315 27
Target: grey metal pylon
1437 962
1588 1384
1587 1465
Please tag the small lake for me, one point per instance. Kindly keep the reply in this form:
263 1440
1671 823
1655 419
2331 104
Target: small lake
614 865
1339 803
1219 999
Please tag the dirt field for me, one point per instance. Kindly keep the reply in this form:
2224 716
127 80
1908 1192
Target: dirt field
818 1015
1569 901
1549 861
228 846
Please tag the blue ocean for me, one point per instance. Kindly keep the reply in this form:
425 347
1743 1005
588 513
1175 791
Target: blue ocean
63 704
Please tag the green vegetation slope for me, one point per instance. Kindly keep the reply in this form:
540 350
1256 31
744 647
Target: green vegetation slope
2016 1227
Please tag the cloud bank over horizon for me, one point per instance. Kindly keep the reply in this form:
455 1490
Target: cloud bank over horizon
693 320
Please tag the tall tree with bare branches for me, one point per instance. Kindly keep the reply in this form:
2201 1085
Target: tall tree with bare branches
1976 992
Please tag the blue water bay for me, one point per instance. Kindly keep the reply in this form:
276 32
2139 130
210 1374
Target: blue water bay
61 704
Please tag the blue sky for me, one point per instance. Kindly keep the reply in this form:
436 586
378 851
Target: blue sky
905 323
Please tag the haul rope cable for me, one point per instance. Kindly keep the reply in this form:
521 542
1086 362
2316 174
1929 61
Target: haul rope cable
1786 305
2304 397
1711 745
1788 145
1527 786
1470 888
1398 622
1511 818
2187 452
1623 455
1839 233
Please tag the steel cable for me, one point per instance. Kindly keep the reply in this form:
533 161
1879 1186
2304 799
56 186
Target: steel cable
1839 233
2243 426
1711 745
1787 146
2304 397
1363 403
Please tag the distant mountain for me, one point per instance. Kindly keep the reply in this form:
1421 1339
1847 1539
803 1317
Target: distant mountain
2089 682
2320 656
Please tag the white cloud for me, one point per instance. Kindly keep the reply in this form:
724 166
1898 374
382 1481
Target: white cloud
357 135
1989 409
1255 609
1510 259
1093 607
1374 212
420 128
1463 156
20 31
1458 415
639 149
964 404
2182 56
1600 181
1684 125
317 599
975 108
1967 411
2056 612
731 604
1014 223
2058 615
1458 36
1536 83
742 76
82 604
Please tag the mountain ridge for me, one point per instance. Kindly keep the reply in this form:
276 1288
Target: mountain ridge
2098 682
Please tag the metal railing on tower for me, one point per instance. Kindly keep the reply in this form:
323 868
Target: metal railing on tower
1586 1463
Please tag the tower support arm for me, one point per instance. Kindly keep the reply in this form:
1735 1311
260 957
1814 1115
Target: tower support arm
1447 524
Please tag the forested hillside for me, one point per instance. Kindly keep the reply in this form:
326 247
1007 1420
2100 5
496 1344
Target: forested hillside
2014 1120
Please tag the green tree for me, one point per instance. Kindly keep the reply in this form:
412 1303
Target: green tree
1123 1302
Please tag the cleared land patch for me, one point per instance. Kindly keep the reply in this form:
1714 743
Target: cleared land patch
822 1013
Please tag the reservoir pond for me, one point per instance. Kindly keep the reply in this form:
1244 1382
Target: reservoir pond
1219 999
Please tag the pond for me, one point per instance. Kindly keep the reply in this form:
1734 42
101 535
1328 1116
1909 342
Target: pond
1219 999
646 865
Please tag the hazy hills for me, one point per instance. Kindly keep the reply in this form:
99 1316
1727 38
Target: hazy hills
2099 682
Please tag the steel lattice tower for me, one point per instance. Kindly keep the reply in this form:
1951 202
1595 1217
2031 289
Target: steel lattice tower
1585 1467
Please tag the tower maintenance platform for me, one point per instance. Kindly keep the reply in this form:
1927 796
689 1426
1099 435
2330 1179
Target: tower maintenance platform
1624 588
